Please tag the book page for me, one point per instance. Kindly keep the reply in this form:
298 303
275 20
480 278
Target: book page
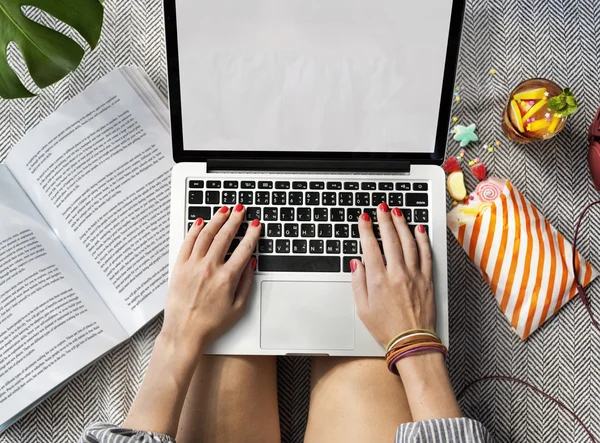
52 321
98 169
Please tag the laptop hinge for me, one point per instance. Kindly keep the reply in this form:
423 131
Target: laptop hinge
312 165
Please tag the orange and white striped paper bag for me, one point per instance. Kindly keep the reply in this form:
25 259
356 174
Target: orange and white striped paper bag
526 262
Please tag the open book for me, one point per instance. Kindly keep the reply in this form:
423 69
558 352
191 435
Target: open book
84 223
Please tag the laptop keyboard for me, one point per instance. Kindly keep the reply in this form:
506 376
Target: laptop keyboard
311 225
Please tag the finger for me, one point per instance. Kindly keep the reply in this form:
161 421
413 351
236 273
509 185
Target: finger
359 285
392 247
409 246
245 249
242 293
425 257
223 239
190 239
371 252
207 235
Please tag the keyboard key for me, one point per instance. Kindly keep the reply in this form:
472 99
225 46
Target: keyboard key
347 261
312 198
320 214
303 214
372 213
189 225
195 197
196 184
216 209
402 186
317 185
282 185
213 184
346 199
307 230
290 230
396 199
315 246
329 198
414 199
361 199
407 213
294 263
325 230
421 215
352 214
377 197
350 247
299 185
273 229
279 198
242 230
332 246
265 246
351 186
282 247
354 230
368 186
286 214
299 246
234 244
419 186
270 214
253 213
265 185
229 197
263 198
296 199
247 197
337 214
230 185
342 231
212 197
195 212
334 185
413 227
386 186
376 230
248 185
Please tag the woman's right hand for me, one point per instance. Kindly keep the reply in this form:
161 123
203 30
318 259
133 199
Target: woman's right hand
394 298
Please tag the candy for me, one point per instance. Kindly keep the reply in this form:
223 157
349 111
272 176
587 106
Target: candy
487 191
532 94
535 108
515 115
493 71
451 165
456 185
479 171
466 134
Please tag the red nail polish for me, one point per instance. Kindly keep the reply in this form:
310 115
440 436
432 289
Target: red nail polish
384 207
397 212
239 207
224 209
365 216
353 265
199 221
253 264
421 229
255 222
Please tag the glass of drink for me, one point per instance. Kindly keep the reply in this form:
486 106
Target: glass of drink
526 117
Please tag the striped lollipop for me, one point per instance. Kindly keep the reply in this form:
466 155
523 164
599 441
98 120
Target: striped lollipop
487 191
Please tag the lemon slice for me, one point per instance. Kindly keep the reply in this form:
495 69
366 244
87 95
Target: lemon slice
535 108
537 125
515 115
532 94
456 185
553 125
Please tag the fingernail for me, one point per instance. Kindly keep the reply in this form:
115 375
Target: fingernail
421 229
199 221
353 265
253 264
397 212
224 209
239 207
384 207
255 222
365 216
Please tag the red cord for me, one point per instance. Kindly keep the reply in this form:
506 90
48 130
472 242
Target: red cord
586 303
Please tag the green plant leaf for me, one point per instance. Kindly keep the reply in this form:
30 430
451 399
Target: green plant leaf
48 54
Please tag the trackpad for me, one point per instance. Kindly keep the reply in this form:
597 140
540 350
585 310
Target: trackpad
306 315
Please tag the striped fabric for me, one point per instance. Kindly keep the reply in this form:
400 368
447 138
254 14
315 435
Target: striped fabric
526 262
106 433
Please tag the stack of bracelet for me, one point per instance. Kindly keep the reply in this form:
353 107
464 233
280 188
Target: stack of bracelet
411 342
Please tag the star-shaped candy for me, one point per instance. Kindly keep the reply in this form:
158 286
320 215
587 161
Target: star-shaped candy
465 134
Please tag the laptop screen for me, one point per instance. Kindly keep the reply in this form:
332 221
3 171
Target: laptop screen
311 76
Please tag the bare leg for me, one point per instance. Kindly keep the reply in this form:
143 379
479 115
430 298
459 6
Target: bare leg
231 399
355 400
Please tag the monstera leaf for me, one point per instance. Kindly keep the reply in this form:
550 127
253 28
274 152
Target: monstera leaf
49 55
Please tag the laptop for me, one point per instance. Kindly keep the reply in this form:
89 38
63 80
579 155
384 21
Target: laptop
310 113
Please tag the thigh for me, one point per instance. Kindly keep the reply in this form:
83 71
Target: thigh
355 400
231 399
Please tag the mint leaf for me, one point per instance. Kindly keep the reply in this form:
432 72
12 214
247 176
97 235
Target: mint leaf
564 104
